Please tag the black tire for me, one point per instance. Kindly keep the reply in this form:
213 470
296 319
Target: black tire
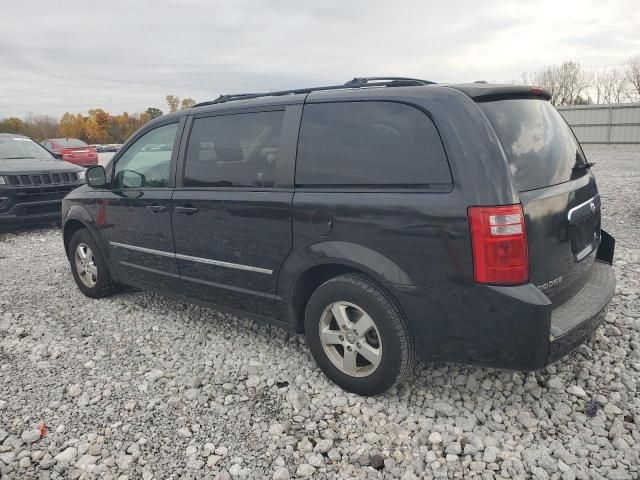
104 285
396 341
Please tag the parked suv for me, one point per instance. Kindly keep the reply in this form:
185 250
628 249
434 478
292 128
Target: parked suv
32 181
384 218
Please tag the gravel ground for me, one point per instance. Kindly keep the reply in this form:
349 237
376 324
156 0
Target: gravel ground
139 386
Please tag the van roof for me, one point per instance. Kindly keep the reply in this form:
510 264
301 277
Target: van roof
358 87
476 90
357 82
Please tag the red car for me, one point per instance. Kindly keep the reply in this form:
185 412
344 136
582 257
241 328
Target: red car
73 150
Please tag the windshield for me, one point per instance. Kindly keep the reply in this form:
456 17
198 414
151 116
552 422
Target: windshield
540 147
69 143
21 147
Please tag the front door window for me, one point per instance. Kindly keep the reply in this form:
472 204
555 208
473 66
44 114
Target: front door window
146 163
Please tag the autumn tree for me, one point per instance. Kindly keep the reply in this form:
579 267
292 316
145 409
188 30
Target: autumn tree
40 127
143 118
187 102
115 130
97 126
153 112
72 126
173 102
13 125
125 124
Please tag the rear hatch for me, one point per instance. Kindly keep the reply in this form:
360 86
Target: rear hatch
76 151
557 190
79 153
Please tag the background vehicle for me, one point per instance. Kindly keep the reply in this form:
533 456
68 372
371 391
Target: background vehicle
461 222
32 181
73 150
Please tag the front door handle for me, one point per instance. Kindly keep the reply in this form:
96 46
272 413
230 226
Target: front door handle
156 208
187 210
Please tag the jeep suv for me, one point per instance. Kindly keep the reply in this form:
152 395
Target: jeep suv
385 218
33 181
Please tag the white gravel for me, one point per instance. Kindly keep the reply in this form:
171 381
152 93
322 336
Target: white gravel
139 386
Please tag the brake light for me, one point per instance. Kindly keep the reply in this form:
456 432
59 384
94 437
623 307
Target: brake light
499 243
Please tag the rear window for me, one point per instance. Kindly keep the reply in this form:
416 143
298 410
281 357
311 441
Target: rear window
369 144
70 143
540 147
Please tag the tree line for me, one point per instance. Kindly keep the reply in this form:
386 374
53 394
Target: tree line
98 126
571 84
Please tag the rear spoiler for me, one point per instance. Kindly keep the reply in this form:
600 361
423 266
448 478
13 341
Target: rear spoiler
486 92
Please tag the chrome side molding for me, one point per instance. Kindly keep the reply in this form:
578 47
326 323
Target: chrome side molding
189 258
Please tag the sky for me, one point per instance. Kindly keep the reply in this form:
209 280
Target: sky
73 55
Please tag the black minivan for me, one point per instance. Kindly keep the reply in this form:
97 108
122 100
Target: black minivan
385 218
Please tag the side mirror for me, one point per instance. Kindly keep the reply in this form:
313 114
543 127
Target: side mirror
132 179
59 156
96 176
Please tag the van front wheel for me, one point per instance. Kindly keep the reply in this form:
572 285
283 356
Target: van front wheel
88 267
358 336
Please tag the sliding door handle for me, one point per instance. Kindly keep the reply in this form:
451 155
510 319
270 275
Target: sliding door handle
156 208
187 210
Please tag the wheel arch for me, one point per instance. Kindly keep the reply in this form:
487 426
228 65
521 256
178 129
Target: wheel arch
77 219
332 260
70 227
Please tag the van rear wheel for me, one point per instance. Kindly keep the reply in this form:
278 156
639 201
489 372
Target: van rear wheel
358 336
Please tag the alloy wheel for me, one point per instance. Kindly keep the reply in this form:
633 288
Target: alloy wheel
86 265
350 339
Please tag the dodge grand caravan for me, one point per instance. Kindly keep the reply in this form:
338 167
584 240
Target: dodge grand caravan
385 218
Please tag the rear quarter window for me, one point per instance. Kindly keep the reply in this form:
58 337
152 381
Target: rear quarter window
369 144
539 145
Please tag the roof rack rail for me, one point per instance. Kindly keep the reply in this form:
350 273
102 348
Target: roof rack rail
358 82
395 81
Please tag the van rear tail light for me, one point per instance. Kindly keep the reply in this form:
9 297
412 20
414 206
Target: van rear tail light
499 243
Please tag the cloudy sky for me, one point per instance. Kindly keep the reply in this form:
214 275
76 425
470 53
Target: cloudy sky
72 55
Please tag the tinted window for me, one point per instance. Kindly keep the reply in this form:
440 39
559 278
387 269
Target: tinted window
70 143
539 145
147 162
369 143
238 150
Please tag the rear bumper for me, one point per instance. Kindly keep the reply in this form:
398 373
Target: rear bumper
515 328
573 322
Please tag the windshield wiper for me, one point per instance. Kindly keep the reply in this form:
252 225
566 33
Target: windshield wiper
14 158
583 166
